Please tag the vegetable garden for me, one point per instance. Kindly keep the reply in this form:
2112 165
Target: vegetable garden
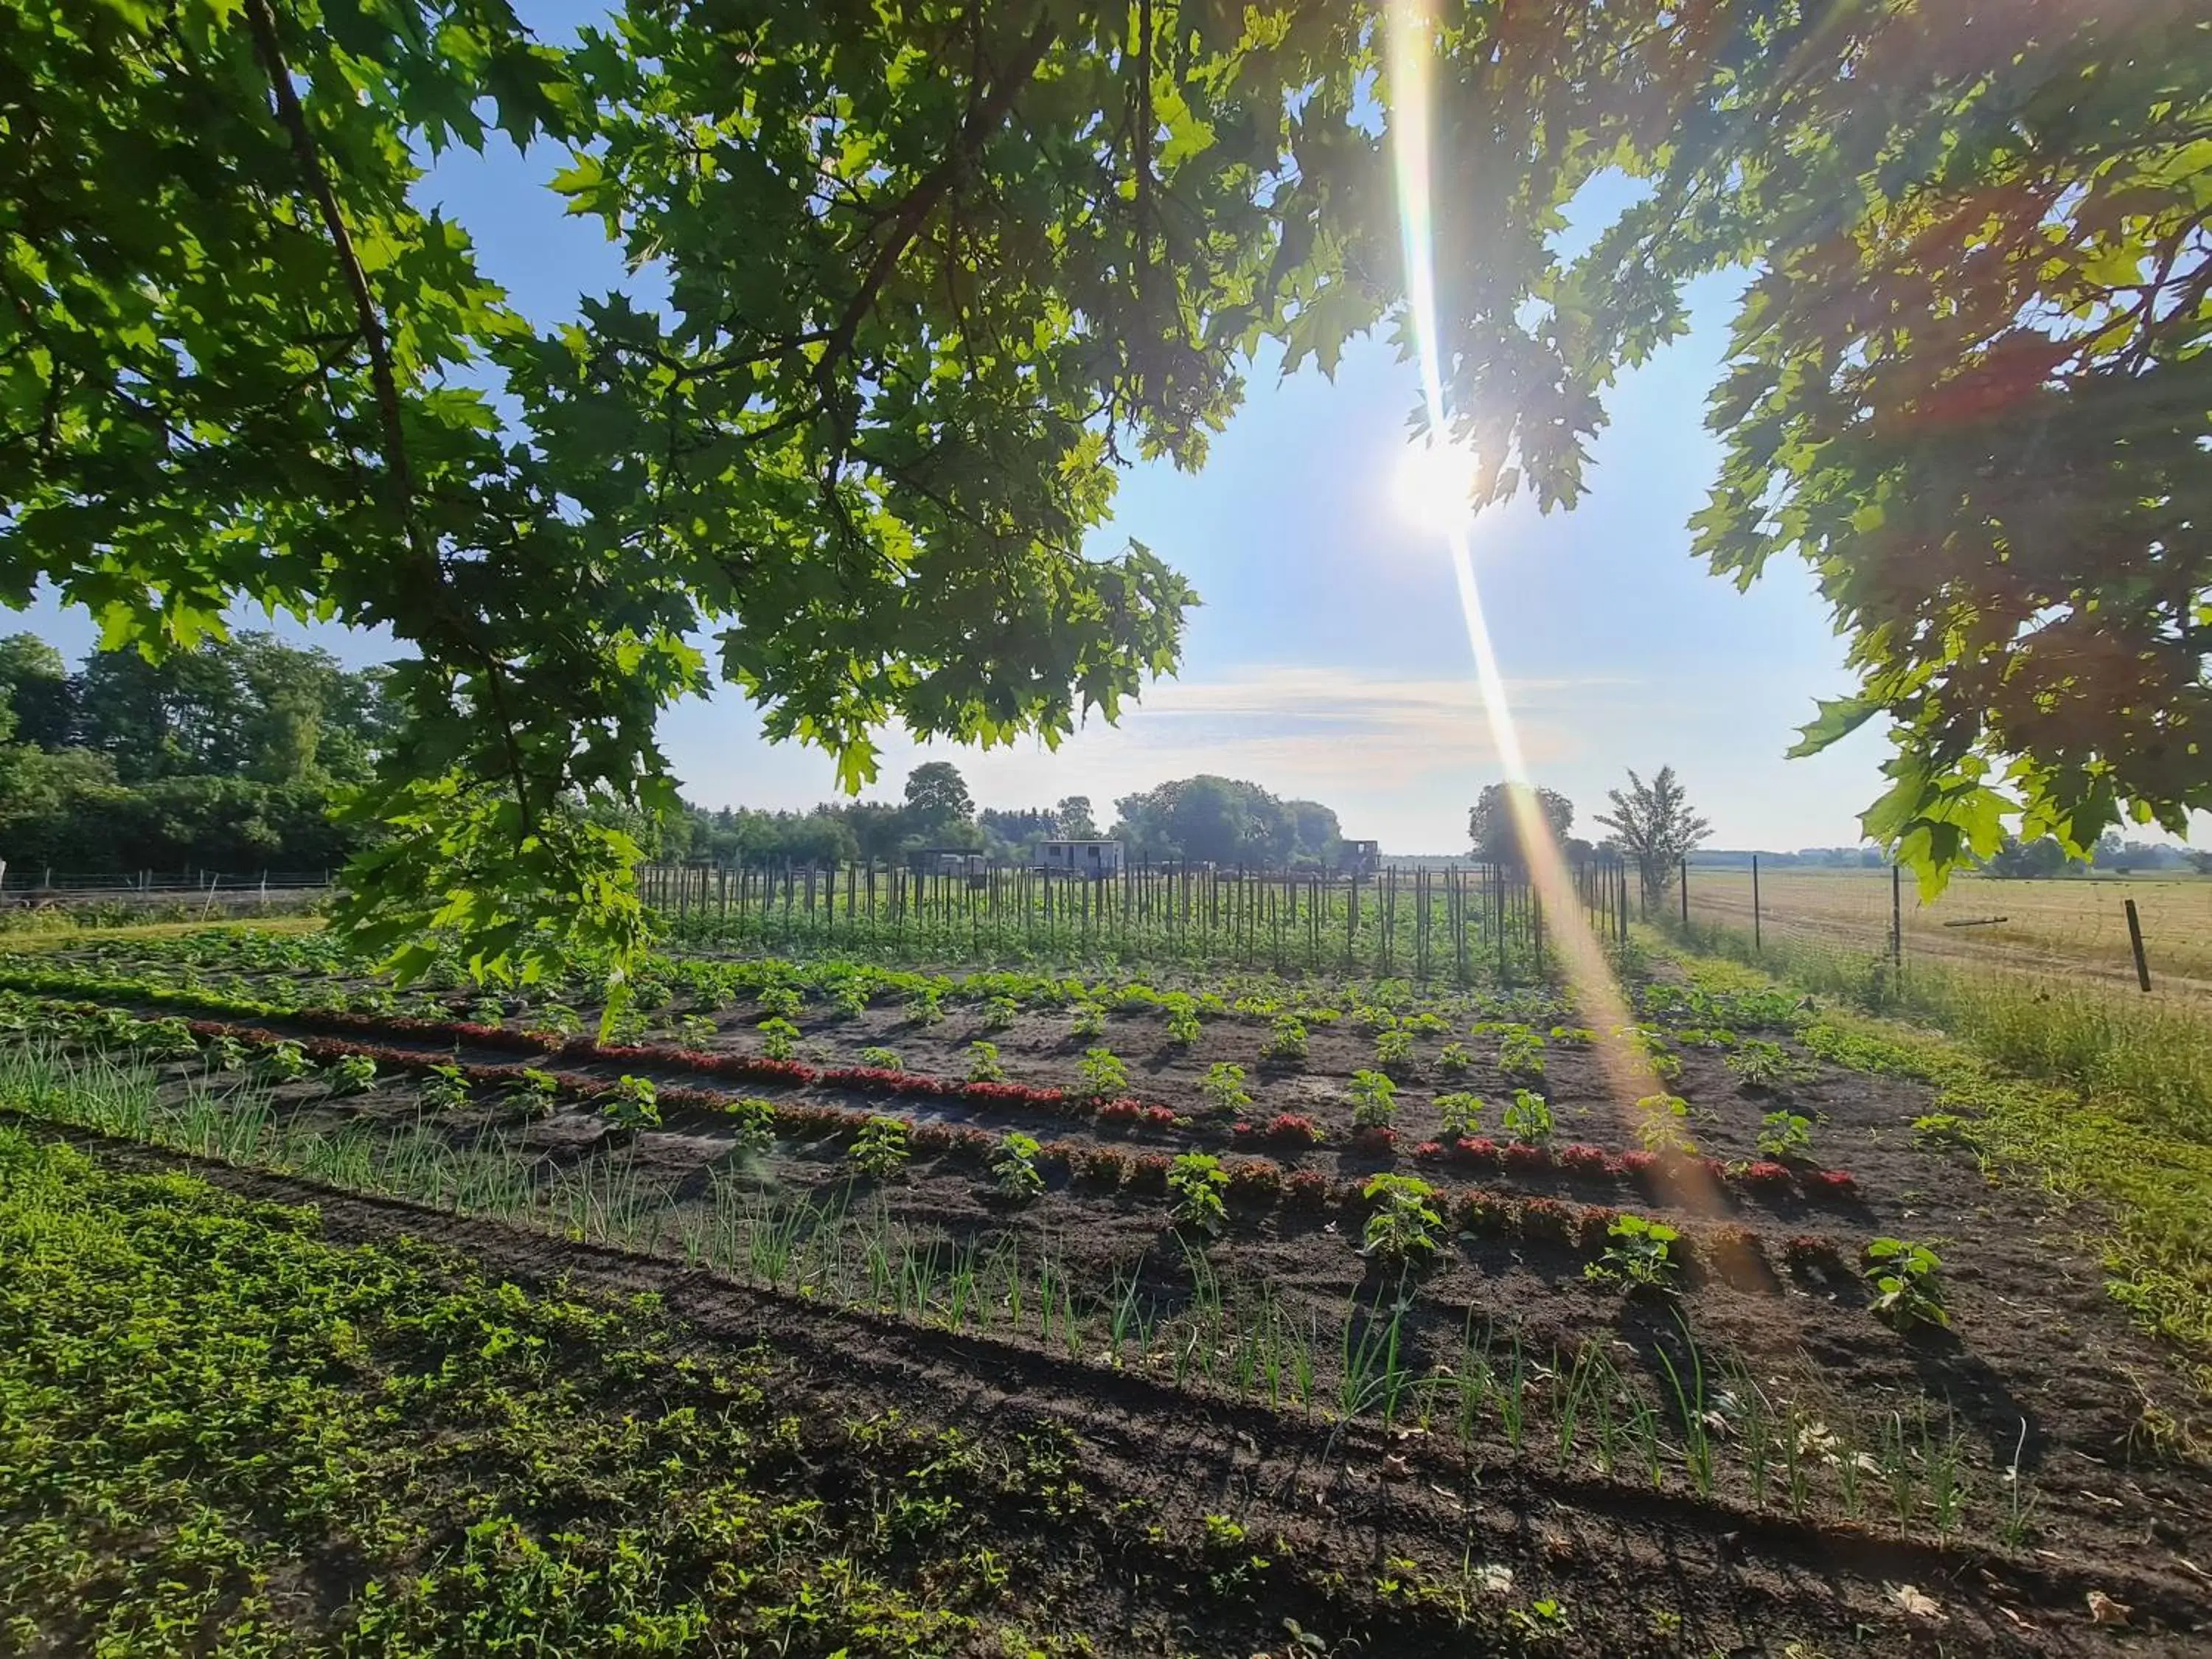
1449 1286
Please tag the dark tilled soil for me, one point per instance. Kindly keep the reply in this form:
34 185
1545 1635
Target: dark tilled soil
1635 1571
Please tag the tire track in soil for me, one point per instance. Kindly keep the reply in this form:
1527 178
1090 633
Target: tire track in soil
1598 1546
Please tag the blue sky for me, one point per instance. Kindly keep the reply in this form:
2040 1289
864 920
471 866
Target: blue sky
1328 659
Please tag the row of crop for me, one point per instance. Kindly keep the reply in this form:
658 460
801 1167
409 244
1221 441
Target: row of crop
1250 1186
1659 1173
1663 1176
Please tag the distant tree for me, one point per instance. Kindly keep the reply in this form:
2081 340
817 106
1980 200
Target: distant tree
1220 820
936 797
1496 833
2020 860
1654 828
34 687
2201 862
1071 819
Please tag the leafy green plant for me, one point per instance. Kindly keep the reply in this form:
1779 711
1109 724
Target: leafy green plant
558 1018
533 1093
283 1061
1759 1063
1460 1113
1000 1012
445 1089
1528 1118
781 1001
350 1074
224 1053
1224 1087
779 1038
634 1103
983 1063
1014 1170
925 1006
1374 1100
1640 1255
1660 1120
1906 1290
1198 1184
1394 1048
1521 1053
1453 1059
1286 1042
752 1125
695 1030
1404 1225
1090 1020
1183 1028
881 1149
1100 1076
166 1039
884 1059
487 1010
1786 1134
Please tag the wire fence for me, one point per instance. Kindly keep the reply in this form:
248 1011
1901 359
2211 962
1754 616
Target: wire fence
1463 924
2146 932
45 889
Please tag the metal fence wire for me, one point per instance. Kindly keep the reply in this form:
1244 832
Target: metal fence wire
2151 933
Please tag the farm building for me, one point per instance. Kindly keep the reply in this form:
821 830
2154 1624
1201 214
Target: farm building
946 861
1359 858
1079 858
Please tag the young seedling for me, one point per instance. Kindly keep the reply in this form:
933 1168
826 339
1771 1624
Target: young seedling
983 1063
1183 1029
350 1074
1374 1100
1528 1118
1760 1064
1786 1135
925 1006
635 1104
282 1062
532 1092
1090 1020
1906 1291
1460 1113
696 1029
1223 1088
486 1011
779 1038
884 1059
1521 1053
752 1125
1393 1049
445 1089
1659 1120
881 1149
1286 1042
1000 1012
1101 1076
1014 1168
1197 1182
1640 1255
1404 1227
1453 1059
558 1018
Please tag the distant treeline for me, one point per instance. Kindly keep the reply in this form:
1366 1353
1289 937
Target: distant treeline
225 757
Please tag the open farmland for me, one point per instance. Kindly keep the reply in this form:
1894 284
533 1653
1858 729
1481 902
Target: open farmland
2066 928
1077 1314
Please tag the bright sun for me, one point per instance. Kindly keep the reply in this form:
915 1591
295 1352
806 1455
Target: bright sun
1432 483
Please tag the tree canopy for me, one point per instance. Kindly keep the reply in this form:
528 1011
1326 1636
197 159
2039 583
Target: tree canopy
1654 828
933 269
1495 832
1225 821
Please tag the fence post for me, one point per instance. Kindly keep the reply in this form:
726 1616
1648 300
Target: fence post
1686 893
2135 940
1756 943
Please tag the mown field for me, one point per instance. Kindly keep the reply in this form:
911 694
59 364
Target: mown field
824 1306
2070 927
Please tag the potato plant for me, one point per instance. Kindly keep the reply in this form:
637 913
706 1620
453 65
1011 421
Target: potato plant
533 1093
880 1150
1374 1100
634 1103
882 1059
350 1074
1286 1042
1404 1227
1906 1290
1660 1124
1101 1076
1527 1118
1014 1168
779 1038
1197 1185
1640 1255
1223 1088
1453 1059
1459 1113
983 1063
445 1089
1786 1135
752 1125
